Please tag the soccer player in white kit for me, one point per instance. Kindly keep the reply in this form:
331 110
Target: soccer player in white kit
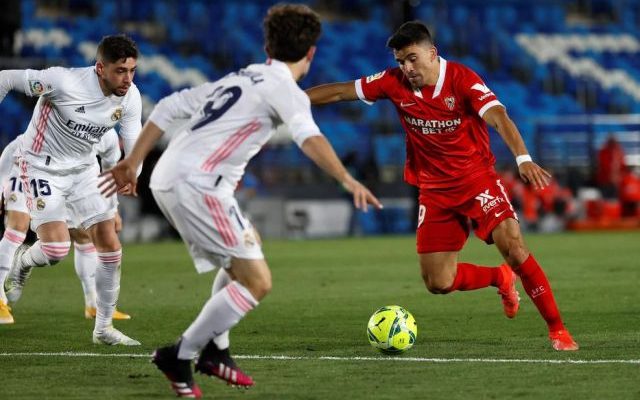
16 216
194 182
77 106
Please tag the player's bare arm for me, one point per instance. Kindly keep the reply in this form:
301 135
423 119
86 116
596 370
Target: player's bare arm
530 172
320 151
125 172
332 93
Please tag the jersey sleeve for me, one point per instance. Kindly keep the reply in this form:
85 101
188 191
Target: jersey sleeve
131 123
294 109
371 88
479 96
43 82
31 82
180 105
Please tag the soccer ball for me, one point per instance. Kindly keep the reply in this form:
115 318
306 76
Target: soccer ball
392 329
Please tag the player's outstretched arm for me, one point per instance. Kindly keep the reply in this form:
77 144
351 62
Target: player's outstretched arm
125 172
11 79
530 172
332 93
320 151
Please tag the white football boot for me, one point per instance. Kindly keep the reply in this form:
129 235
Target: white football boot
112 337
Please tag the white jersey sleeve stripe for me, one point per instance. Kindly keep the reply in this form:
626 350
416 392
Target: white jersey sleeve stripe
360 93
488 106
230 145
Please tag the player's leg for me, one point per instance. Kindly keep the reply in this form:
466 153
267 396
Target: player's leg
509 241
107 280
51 247
441 233
222 279
85 259
16 226
221 313
215 233
44 192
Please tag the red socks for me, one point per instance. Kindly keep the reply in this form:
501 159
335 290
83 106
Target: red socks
537 286
471 277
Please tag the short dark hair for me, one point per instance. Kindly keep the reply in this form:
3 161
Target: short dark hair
116 47
411 32
290 30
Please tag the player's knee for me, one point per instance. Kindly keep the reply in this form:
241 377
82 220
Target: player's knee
18 221
55 251
259 285
516 253
260 288
437 284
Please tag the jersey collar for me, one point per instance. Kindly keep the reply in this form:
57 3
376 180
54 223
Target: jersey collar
441 76
279 65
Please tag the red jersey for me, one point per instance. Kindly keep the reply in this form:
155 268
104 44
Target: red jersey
446 137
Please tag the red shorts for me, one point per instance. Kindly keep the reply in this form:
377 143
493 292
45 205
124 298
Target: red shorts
445 214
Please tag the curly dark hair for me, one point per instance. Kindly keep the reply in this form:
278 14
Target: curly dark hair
411 32
290 30
116 47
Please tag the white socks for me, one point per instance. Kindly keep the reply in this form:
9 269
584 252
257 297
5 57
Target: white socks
11 240
107 287
222 279
219 314
41 254
85 260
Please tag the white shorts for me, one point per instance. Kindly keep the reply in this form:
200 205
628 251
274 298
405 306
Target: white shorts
66 197
14 197
211 225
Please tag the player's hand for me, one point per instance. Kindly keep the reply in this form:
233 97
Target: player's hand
534 174
361 195
120 179
127 190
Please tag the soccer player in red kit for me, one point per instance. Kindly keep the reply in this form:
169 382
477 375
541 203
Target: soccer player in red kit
444 108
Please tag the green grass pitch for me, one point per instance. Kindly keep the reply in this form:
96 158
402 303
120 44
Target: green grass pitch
323 294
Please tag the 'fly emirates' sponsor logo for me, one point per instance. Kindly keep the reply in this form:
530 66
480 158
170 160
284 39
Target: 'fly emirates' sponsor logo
433 126
91 133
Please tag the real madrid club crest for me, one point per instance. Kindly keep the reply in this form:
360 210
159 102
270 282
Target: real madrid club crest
249 238
450 102
117 114
40 204
13 198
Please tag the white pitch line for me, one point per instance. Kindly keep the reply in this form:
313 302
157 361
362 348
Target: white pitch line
330 358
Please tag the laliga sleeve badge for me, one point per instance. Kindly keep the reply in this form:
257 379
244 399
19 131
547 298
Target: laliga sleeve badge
40 204
373 77
36 87
117 114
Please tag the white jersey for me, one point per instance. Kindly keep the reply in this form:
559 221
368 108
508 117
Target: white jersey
230 120
109 150
71 115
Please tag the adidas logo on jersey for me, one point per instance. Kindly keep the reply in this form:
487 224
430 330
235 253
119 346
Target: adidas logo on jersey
79 110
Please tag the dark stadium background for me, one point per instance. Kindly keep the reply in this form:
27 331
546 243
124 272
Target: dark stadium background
568 72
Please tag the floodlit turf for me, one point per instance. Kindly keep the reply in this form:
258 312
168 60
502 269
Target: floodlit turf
324 292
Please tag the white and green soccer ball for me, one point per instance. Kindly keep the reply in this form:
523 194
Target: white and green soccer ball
392 329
